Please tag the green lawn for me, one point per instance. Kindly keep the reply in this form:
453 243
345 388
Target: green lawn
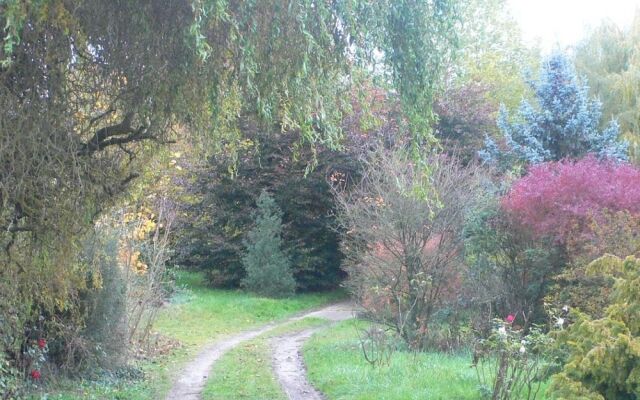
337 368
198 316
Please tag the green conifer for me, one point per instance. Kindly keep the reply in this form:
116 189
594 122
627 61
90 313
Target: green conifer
267 267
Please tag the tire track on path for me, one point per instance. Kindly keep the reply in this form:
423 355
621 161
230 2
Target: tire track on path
191 381
288 363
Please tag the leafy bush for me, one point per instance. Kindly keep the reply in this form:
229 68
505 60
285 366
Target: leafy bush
402 238
604 354
583 208
510 268
268 268
104 341
559 199
124 260
10 380
613 233
36 301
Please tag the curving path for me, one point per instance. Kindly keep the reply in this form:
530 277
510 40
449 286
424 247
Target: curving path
191 381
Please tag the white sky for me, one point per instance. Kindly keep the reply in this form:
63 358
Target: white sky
563 22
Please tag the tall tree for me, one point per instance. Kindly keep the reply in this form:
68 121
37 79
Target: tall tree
493 53
610 58
486 73
87 81
566 123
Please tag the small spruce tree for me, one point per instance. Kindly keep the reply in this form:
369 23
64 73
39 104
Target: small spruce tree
267 267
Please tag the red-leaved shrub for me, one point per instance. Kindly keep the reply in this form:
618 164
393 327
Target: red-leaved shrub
558 199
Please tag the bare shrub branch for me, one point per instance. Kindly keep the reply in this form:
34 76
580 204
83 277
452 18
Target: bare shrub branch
403 239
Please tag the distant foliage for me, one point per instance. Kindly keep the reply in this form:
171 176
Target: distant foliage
494 53
464 118
610 59
604 354
483 76
565 123
556 198
268 267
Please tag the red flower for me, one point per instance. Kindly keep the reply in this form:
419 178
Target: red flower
510 318
42 343
35 374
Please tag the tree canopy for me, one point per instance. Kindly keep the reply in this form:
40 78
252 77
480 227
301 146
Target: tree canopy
89 90
85 82
486 73
610 58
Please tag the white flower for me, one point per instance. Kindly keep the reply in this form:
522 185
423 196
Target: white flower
523 342
502 331
560 322
565 308
522 350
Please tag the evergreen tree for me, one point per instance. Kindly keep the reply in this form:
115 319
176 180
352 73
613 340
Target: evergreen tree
564 125
268 268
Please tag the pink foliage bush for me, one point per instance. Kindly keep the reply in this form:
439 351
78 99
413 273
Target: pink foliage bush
559 198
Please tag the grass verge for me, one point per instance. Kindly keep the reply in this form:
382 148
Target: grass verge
337 368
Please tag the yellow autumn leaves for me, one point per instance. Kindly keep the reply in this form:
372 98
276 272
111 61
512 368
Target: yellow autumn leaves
143 225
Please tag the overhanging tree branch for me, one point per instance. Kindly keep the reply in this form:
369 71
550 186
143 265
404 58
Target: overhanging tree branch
118 134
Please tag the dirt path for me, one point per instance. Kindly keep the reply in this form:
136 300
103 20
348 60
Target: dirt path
289 366
287 357
191 381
